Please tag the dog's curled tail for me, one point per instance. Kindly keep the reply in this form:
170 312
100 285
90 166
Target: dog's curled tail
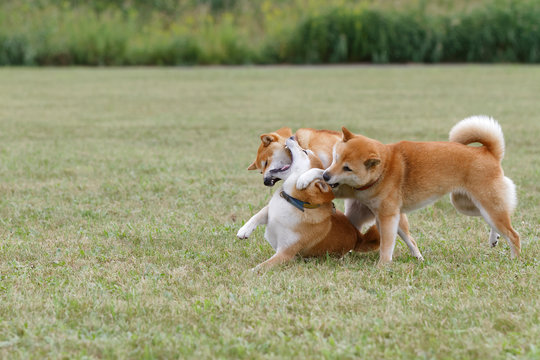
482 129
370 241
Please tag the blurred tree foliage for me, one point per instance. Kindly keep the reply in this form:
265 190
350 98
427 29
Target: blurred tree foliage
179 32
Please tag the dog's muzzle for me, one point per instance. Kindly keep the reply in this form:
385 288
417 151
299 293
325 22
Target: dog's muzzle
327 177
270 181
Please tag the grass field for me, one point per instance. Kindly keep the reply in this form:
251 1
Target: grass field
122 190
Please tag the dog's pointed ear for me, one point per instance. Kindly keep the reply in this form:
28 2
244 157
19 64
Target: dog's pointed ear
285 132
253 166
347 135
372 162
268 138
323 187
326 193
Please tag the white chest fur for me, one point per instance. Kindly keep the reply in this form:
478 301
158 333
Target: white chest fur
283 220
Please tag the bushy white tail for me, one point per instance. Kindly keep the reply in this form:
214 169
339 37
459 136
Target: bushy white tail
482 129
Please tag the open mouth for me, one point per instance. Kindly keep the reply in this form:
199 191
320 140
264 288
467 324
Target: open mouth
333 185
281 169
274 175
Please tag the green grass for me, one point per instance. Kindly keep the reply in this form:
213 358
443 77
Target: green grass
121 192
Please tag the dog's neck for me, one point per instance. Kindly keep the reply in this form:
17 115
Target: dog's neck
297 203
368 185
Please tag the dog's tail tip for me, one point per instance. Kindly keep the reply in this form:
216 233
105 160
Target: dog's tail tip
482 129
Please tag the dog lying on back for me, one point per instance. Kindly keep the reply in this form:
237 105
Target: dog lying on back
273 160
401 177
305 221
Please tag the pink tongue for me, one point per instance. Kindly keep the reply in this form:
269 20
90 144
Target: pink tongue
285 167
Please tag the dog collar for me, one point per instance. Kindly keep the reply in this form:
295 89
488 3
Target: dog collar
299 204
365 187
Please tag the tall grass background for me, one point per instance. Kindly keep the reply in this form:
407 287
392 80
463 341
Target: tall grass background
184 32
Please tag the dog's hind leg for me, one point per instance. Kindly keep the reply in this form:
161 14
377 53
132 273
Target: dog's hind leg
493 237
464 204
281 256
403 232
276 259
501 222
495 207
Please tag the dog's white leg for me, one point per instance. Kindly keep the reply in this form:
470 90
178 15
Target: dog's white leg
259 218
388 226
493 237
411 244
307 178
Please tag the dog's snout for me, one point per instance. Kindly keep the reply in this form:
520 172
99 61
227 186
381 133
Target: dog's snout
269 181
326 176
292 137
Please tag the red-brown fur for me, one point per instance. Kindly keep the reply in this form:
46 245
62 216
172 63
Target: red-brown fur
407 175
318 141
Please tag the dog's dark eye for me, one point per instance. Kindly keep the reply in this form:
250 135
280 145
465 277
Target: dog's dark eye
305 152
346 168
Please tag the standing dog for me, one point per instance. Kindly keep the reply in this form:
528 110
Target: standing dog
304 221
274 159
401 177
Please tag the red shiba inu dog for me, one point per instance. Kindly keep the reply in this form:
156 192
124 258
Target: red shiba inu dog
401 177
304 221
274 159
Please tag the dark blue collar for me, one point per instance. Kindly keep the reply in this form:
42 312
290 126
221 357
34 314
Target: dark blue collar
299 204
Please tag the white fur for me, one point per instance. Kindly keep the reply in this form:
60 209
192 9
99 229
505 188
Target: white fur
392 226
480 126
279 159
335 156
493 237
308 177
259 218
281 217
510 194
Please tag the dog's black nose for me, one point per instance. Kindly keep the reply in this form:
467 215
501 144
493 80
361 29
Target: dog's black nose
325 176
292 137
269 181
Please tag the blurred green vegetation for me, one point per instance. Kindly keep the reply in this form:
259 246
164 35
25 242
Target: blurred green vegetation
183 32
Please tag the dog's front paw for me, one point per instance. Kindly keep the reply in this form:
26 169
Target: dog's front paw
245 231
307 178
